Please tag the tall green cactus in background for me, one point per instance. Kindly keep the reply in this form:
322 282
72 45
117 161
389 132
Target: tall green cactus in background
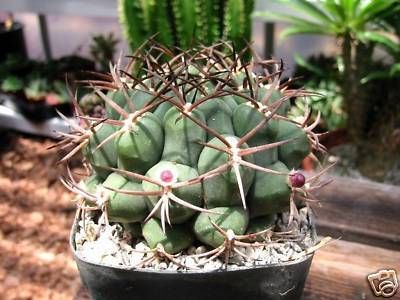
184 23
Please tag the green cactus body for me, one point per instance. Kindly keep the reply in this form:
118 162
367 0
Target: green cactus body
118 98
221 119
161 110
174 239
90 184
182 136
104 156
140 147
275 96
245 118
270 193
124 207
223 189
233 218
140 98
267 157
209 107
231 102
292 154
184 153
137 97
238 79
191 193
257 225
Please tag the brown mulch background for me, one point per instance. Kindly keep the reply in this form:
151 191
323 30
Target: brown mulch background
36 213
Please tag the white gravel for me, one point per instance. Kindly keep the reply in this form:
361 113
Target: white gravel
111 246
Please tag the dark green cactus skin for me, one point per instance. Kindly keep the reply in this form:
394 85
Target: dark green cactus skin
270 193
90 185
260 224
246 118
140 147
140 98
123 207
174 240
231 102
104 156
118 98
275 96
191 194
292 154
234 218
221 119
181 138
183 23
92 182
223 190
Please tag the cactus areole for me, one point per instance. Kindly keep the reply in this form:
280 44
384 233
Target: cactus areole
195 150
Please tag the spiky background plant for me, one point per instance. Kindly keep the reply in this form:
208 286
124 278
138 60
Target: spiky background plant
197 150
183 23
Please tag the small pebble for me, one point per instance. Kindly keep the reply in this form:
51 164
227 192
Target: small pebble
162 265
201 250
191 250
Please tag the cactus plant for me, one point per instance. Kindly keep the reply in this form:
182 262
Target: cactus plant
184 23
199 150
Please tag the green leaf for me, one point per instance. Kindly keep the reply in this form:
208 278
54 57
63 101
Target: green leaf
371 10
381 39
349 8
395 70
312 10
335 10
304 30
375 75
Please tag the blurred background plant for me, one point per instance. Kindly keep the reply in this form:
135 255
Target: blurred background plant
183 23
320 74
360 84
102 50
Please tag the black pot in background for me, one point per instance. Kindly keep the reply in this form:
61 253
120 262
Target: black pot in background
12 41
39 111
282 281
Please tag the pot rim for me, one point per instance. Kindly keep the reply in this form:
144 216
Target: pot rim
169 272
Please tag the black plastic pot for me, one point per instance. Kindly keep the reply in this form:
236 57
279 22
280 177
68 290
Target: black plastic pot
12 41
283 281
39 111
